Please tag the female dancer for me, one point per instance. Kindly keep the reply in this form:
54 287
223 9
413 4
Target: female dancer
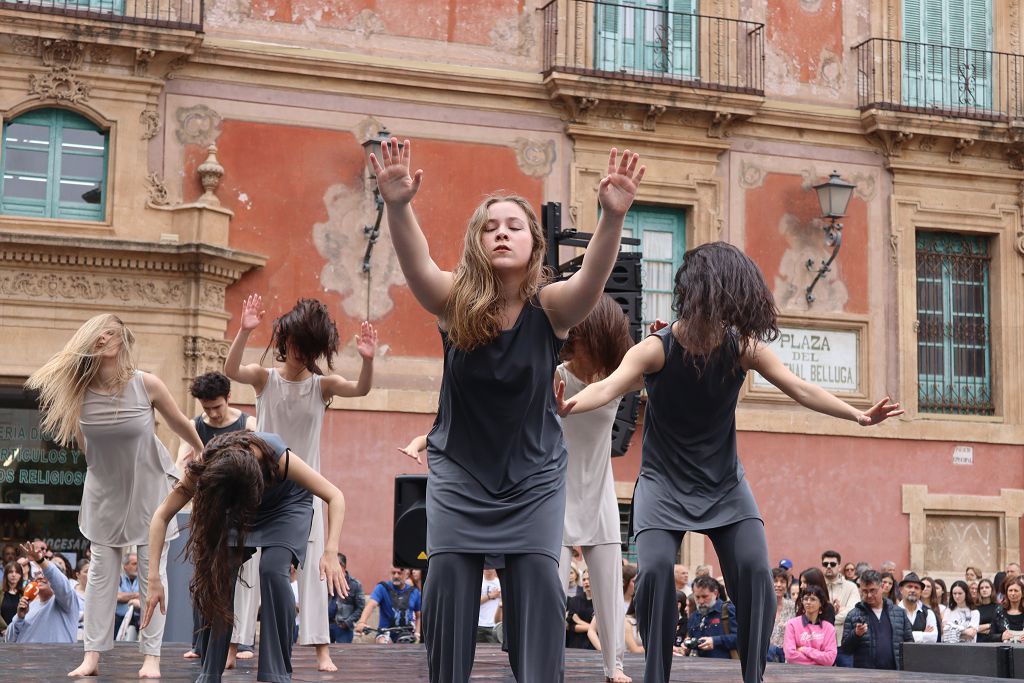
291 402
91 392
247 492
496 458
691 478
593 350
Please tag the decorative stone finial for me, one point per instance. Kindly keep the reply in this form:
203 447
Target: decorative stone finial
210 174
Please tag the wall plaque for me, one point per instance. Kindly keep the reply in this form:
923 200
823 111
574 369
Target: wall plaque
828 358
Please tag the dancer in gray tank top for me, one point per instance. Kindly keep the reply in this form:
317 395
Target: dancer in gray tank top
495 454
248 493
691 478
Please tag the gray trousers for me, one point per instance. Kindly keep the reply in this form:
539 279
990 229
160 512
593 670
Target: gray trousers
743 552
101 597
604 562
277 626
534 616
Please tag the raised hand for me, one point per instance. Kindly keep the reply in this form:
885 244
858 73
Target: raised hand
880 412
564 407
618 188
366 340
395 184
29 551
252 312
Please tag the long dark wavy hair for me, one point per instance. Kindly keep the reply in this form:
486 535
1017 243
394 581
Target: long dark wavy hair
717 289
309 329
603 336
229 481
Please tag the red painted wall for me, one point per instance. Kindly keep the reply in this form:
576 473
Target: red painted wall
802 35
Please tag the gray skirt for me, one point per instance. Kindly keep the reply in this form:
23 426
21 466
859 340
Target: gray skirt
656 506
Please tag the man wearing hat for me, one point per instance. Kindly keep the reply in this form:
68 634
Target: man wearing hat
920 616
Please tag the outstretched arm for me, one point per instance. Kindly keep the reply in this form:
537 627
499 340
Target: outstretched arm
172 504
176 420
761 358
252 374
569 302
644 358
429 284
336 385
415 447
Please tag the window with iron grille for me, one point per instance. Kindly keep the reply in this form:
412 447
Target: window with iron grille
954 345
628 544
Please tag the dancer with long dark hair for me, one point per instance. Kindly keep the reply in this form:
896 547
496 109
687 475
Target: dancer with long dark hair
291 402
691 478
247 492
495 453
592 351
91 392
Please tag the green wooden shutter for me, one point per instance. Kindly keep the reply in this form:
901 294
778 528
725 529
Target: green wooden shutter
608 35
685 31
978 34
913 54
662 232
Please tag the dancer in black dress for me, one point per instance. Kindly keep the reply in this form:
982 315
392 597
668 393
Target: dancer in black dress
496 457
691 478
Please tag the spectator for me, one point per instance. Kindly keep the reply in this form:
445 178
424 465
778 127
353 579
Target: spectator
416 579
972 588
889 586
629 572
972 574
786 565
861 568
82 575
703 570
1012 571
14 585
842 593
998 580
8 554
813 577
941 594
921 617
344 611
633 642
574 580
794 593
961 622
987 607
930 597
579 616
875 628
52 617
809 639
400 605
888 566
128 592
64 565
850 572
1009 622
490 601
784 611
682 576
40 546
714 623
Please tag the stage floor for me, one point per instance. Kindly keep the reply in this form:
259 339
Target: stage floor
398 664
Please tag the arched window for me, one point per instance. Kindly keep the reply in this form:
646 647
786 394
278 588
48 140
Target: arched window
54 166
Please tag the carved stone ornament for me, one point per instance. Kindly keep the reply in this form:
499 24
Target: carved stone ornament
35 285
100 54
957 153
579 108
210 173
892 142
720 124
211 296
143 56
535 158
1020 242
894 245
751 175
654 111
59 83
174 66
203 354
198 125
150 120
63 53
157 190
25 45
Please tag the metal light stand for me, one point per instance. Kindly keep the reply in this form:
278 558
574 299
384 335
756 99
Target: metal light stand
834 239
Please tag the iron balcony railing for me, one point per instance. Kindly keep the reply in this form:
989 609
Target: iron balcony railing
174 14
647 43
900 75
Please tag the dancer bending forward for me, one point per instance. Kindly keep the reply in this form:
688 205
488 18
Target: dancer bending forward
248 492
690 477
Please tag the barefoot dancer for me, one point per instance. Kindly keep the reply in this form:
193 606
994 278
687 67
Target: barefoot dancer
91 392
496 456
691 478
291 402
247 492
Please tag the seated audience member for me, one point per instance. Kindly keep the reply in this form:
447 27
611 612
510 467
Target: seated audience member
784 611
490 602
714 623
889 586
52 615
809 639
814 577
14 584
682 576
960 625
972 574
574 580
921 617
850 572
633 642
400 605
629 572
128 592
1008 626
875 628
343 612
579 616
986 607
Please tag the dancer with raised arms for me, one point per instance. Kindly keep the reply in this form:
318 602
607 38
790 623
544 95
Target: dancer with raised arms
496 457
691 478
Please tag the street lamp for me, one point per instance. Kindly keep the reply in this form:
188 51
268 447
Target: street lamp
833 196
373 146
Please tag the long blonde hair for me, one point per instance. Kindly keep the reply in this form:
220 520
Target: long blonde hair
63 380
472 312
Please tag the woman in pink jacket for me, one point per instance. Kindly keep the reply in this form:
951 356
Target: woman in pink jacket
810 639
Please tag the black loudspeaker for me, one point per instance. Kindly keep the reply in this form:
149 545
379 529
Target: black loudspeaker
625 275
965 659
622 432
409 543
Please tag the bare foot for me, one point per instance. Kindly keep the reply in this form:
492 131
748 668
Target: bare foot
232 654
323 659
246 654
191 654
150 667
90 665
619 677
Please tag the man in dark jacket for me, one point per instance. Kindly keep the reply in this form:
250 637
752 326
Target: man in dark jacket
875 629
342 613
713 629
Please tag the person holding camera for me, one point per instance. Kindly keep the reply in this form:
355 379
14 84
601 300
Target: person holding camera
711 630
875 628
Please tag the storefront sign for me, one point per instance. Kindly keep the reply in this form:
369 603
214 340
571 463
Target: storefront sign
828 358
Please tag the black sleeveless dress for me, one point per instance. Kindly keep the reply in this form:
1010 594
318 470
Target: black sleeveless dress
691 478
496 455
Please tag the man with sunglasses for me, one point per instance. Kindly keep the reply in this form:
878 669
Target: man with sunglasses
843 594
